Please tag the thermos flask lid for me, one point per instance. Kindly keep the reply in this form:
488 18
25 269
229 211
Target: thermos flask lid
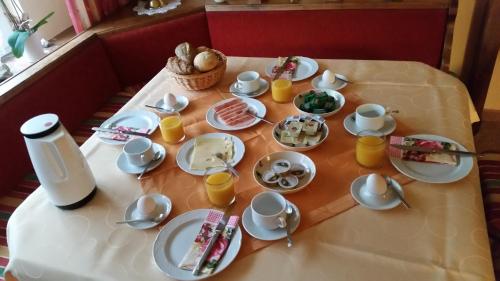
40 126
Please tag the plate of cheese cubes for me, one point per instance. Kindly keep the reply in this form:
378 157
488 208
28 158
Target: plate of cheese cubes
301 132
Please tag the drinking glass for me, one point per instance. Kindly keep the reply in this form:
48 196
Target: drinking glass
281 90
220 187
370 149
172 130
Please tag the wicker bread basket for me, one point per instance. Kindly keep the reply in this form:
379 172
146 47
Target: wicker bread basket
204 80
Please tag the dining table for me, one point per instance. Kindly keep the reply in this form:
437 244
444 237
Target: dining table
443 236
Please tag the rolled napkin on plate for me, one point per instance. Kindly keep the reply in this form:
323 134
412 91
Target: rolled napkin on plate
193 255
420 156
288 70
121 133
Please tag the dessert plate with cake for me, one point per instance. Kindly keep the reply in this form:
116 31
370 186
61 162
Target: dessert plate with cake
235 114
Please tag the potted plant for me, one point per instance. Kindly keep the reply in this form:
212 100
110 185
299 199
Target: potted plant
22 31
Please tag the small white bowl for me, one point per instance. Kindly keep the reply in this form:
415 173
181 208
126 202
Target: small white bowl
264 165
339 99
288 181
281 166
324 133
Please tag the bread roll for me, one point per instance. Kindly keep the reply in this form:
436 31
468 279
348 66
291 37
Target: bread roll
176 65
185 52
206 61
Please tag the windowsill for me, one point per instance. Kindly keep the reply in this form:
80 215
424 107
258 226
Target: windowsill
18 65
121 20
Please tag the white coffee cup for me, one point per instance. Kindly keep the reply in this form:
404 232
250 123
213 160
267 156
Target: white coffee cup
248 81
370 116
139 151
268 210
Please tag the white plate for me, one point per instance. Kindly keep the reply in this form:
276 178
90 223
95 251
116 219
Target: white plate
339 102
266 234
375 203
264 86
135 119
350 125
163 205
264 164
185 153
128 168
324 133
182 103
254 105
337 85
305 69
435 173
177 236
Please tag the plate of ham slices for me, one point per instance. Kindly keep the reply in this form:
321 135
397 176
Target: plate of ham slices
235 113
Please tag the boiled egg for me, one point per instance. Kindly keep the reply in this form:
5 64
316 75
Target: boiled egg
169 100
146 206
376 184
328 77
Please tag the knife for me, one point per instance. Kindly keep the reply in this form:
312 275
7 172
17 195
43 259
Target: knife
218 230
282 68
433 150
114 131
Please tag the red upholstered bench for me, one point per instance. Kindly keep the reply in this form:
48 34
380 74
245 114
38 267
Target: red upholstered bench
489 169
387 34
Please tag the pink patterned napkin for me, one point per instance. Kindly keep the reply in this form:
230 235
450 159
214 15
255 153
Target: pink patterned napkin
201 241
418 156
290 68
121 136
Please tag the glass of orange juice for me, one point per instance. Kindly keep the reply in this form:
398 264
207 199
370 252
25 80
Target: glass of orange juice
171 127
220 187
281 90
370 149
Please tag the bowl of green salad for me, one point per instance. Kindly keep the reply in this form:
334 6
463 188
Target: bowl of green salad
322 102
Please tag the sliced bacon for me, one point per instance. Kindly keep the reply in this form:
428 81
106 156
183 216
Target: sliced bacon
232 110
227 104
241 119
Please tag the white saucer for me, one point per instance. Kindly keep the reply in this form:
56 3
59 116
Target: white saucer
163 205
386 201
265 234
337 85
350 125
126 167
264 86
182 102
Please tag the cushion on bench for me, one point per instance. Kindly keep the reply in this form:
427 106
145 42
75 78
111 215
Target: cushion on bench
73 89
387 34
139 54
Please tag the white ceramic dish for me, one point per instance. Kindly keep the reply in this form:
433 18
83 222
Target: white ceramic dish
435 173
128 168
182 103
134 119
163 205
254 105
337 85
388 201
339 102
266 234
264 86
264 164
324 133
305 69
176 237
350 125
185 153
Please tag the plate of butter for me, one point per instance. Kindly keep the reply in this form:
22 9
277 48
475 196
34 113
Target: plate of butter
198 154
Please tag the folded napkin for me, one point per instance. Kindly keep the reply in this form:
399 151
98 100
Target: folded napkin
120 136
201 241
290 68
418 156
